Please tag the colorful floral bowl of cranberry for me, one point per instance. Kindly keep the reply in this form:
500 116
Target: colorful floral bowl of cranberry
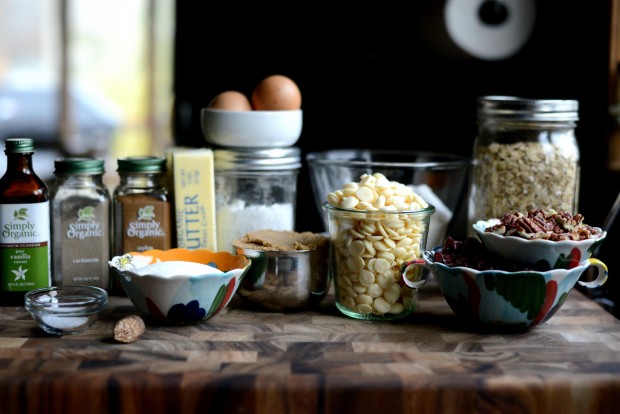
180 286
488 291
557 240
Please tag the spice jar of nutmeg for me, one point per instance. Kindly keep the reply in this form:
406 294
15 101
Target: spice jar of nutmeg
525 157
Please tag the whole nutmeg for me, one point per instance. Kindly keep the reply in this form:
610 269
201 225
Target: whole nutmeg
129 329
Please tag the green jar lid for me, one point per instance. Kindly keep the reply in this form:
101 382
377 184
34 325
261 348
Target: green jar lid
18 145
147 164
78 165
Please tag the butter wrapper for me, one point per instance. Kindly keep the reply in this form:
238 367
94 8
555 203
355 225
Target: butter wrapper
191 180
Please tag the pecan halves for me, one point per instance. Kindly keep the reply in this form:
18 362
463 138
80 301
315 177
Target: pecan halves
544 224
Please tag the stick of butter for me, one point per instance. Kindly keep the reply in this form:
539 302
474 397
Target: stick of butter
191 180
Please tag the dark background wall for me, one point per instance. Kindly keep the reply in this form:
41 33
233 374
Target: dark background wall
388 76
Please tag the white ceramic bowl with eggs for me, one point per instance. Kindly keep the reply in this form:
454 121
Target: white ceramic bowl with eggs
272 118
253 129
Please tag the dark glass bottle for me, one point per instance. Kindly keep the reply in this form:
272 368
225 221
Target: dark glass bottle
25 223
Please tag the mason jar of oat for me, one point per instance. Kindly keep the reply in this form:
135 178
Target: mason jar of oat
525 157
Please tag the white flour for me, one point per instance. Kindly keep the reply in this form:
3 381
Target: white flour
177 267
236 219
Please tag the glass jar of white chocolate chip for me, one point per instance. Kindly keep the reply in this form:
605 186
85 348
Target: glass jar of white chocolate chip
375 226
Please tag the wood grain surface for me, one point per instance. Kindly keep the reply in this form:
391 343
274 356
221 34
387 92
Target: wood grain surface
317 361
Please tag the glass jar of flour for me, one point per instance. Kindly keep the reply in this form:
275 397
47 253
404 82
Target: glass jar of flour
525 157
255 189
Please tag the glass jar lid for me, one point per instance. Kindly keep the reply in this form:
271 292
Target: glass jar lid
78 165
147 164
254 159
523 109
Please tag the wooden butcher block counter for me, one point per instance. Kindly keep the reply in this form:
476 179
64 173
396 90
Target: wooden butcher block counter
320 361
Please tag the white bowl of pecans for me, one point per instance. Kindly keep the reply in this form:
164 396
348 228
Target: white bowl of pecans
550 238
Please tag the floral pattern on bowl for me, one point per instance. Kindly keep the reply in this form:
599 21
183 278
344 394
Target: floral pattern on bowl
564 254
500 299
180 298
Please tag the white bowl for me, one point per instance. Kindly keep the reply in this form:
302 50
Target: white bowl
183 295
560 254
252 129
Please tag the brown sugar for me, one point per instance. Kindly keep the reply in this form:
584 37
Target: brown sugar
281 240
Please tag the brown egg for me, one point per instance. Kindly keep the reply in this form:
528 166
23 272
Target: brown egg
231 101
276 93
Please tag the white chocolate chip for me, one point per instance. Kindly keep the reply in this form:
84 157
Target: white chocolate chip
365 194
397 308
355 263
356 248
381 305
349 202
374 291
366 278
364 300
381 266
392 293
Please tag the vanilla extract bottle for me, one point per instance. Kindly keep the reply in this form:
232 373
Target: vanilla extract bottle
25 225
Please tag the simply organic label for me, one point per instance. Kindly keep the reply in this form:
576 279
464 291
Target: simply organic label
85 225
85 244
24 246
146 224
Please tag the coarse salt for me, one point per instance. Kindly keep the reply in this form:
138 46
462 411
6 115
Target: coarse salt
64 322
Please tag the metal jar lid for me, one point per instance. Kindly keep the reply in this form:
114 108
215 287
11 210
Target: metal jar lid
522 109
254 159
147 164
78 165
19 145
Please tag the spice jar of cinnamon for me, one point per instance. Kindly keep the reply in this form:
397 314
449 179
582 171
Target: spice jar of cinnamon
142 218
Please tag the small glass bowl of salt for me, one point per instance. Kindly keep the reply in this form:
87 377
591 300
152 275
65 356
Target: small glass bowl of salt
65 310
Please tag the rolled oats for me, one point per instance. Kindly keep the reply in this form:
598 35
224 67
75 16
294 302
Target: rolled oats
524 176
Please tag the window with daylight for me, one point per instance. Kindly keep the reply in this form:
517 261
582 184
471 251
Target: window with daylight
86 78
